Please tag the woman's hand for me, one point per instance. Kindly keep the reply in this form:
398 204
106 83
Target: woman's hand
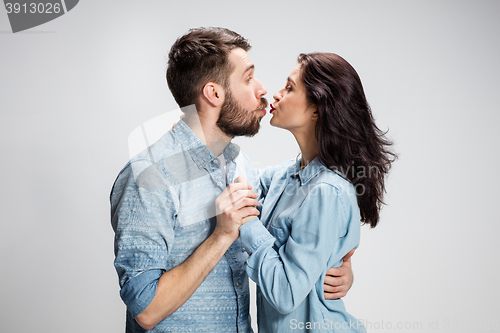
338 280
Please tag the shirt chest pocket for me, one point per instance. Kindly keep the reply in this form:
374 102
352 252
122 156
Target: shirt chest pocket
279 234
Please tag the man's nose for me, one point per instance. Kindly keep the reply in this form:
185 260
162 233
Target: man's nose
261 91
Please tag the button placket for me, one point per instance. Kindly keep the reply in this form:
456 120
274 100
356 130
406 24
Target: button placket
217 175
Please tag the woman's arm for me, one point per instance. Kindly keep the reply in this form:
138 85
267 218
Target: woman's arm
287 274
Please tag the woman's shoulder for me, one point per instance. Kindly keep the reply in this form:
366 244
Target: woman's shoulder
334 179
332 184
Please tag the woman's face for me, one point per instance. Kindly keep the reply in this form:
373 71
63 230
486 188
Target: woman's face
290 108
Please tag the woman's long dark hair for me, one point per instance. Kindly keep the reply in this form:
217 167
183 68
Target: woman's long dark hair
348 139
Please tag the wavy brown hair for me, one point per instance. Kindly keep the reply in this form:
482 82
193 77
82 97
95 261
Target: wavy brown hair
348 139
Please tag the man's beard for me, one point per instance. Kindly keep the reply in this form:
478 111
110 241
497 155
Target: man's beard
233 119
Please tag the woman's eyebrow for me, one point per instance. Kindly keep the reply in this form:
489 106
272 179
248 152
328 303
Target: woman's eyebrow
292 81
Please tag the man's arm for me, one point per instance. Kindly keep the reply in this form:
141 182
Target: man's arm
178 284
339 280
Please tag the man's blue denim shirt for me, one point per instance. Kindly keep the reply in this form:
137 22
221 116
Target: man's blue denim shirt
162 209
309 220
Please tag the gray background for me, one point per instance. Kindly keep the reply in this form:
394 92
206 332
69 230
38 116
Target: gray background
72 90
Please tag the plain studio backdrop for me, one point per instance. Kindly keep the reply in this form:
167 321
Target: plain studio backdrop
74 89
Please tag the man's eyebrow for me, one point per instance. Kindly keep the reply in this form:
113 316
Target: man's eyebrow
289 79
252 66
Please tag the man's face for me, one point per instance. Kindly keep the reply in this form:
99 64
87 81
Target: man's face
244 104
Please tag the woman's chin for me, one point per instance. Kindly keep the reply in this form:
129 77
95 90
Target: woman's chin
274 123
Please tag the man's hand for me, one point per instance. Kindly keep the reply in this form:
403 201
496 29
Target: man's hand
234 204
338 280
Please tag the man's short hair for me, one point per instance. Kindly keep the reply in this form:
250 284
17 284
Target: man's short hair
199 57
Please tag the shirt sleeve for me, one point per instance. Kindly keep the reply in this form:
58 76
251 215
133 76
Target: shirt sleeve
142 218
287 274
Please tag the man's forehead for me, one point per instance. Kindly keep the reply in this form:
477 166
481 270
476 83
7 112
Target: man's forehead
240 60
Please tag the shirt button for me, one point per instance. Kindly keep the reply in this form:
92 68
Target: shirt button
216 161
219 184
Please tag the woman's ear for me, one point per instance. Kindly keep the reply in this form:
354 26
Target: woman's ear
314 114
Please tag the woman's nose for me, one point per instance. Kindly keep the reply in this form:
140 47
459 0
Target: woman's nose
277 96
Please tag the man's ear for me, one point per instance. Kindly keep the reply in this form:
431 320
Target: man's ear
213 93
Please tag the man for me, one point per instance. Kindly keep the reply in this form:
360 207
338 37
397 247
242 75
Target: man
175 207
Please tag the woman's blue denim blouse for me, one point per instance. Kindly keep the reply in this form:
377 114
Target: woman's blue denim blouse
310 220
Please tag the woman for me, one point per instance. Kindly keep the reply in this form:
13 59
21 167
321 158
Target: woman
312 208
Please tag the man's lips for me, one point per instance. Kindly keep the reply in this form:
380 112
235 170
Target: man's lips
262 107
263 111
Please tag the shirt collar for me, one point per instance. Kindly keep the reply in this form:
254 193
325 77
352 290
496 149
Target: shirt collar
199 152
231 151
305 175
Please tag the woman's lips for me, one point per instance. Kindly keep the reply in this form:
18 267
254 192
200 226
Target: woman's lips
272 108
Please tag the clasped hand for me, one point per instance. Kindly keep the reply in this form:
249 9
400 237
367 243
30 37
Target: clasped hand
234 207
